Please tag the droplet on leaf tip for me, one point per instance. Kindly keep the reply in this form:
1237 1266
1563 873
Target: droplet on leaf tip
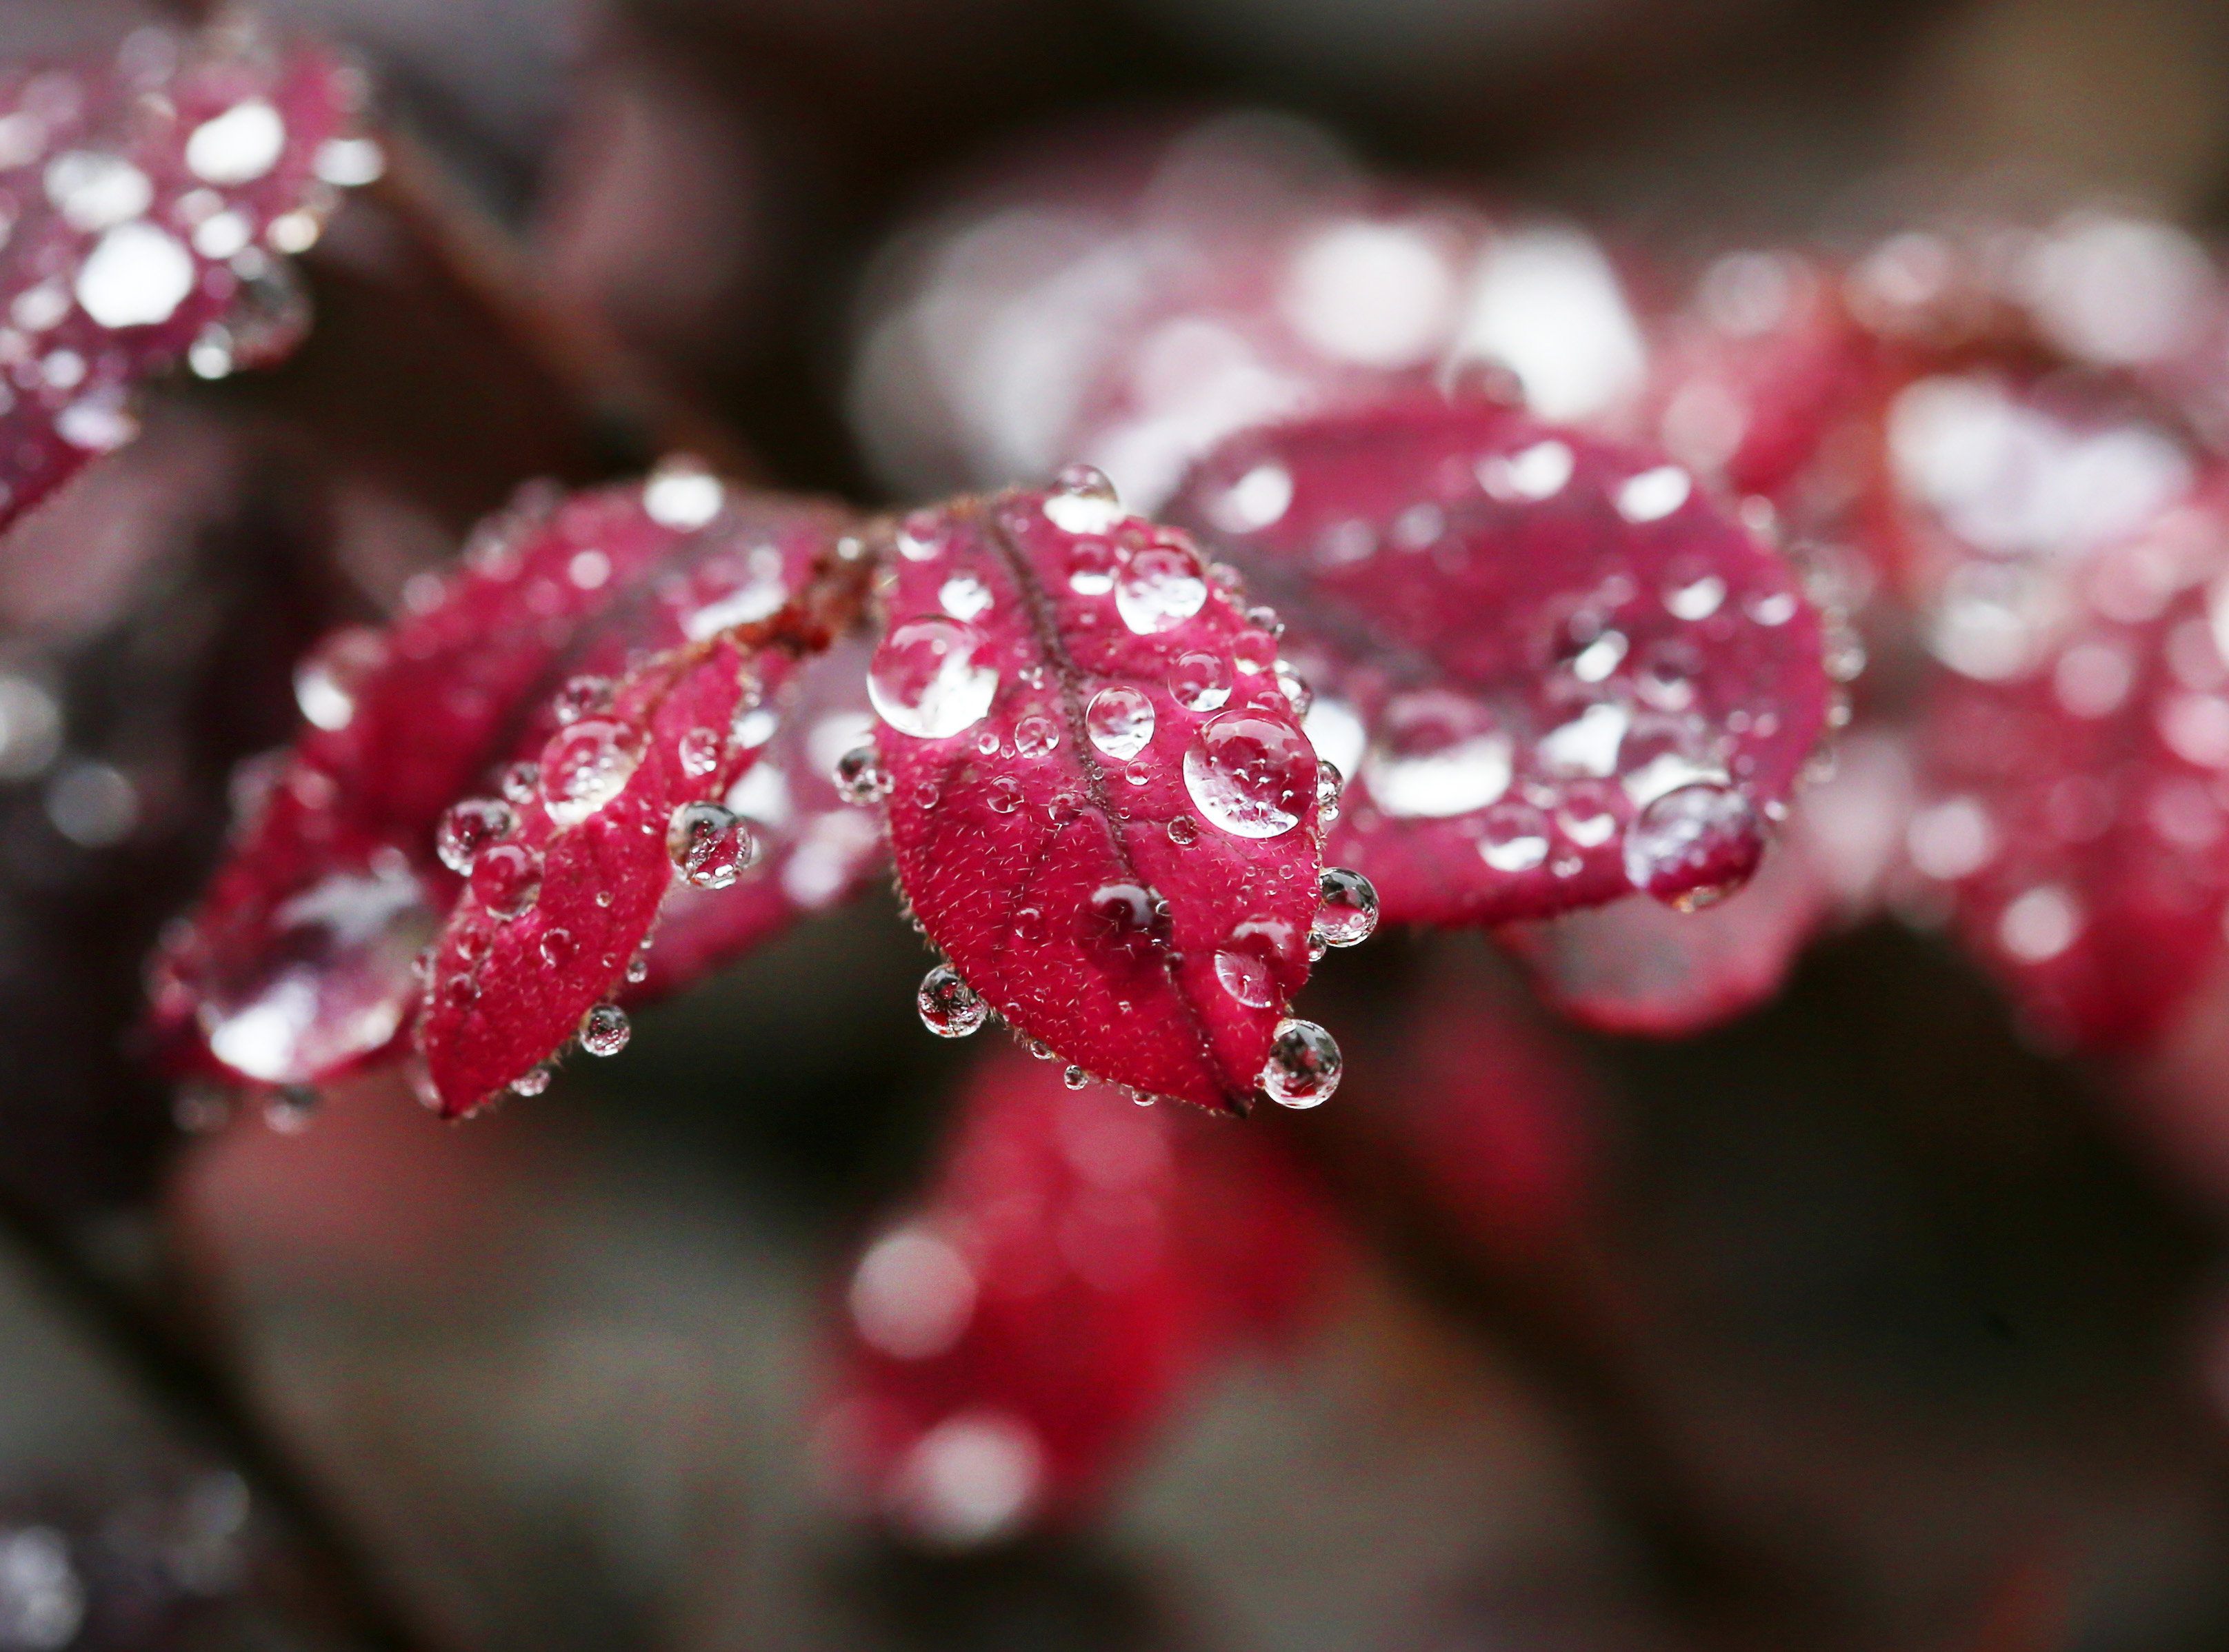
1304 1065
1349 912
950 1007
605 1030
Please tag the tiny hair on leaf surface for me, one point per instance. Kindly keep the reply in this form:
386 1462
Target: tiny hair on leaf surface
1551 669
1074 1262
153 194
298 964
1102 805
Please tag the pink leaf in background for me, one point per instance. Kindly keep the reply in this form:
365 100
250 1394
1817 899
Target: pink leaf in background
298 963
1101 806
1075 1261
1551 669
153 197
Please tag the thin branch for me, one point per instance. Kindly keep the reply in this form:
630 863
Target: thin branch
203 1402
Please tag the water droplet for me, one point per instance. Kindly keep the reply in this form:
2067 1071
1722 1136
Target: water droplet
507 879
1514 837
1121 720
950 1007
1082 500
558 948
1696 599
682 494
964 597
1694 846
1654 495
1127 920
709 845
1436 755
1003 794
1091 567
1161 588
1036 735
1200 680
1349 912
1304 1065
329 680
1184 831
521 782
861 779
1039 1049
1593 662
1589 744
1539 472
533 1081
638 969
1294 688
699 750
932 678
1244 973
585 766
1254 652
1330 783
1075 1078
469 827
1136 774
1254 502
605 1030
1250 773
2037 927
238 146
583 696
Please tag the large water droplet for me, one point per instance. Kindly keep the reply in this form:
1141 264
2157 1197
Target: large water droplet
709 845
1694 846
585 766
605 1030
1161 588
1245 975
950 1007
1304 1065
1200 680
1349 912
1250 773
469 827
1435 755
1121 721
507 879
933 677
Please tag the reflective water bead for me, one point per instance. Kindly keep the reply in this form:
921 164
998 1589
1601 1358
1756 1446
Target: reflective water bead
533 1081
709 845
1294 688
1184 831
1254 652
1091 565
1075 1078
1244 973
1695 845
1200 680
1162 587
1349 912
583 696
932 678
950 1007
964 597
1330 783
699 750
605 1030
1514 837
585 766
638 969
1250 773
1119 720
1304 1065
558 948
520 781
1036 735
861 779
467 828
1003 794
1317 947
1082 500
507 879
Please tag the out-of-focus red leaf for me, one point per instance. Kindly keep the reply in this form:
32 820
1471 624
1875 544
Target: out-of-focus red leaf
298 963
1075 1261
1554 670
1638 966
151 197
1102 807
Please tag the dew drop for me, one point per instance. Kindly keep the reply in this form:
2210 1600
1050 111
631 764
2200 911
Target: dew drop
709 846
558 948
964 597
1127 920
533 1081
520 783
638 969
1694 846
605 1030
1074 1078
1036 735
1349 912
1250 774
1091 567
584 766
1514 837
1082 500
238 146
1696 599
469 827
1294 688
1200 680
1184 831
932 678
1436 755
1330 783
950 1007
1003 794
699 750
583 696
1121 720
1304 1065
1161 588
861 779
507 879
1245 975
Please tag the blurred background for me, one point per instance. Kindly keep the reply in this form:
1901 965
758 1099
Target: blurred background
1877 1325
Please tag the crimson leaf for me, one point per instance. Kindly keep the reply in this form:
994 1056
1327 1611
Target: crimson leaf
1559 673
1102 808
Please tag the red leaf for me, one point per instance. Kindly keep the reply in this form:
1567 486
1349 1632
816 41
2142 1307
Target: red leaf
1555 671
149 196
1075 1263
298 964
1102 810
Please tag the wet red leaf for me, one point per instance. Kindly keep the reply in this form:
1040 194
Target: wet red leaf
297 966
152 197
1554 671
1102 808
1075 1263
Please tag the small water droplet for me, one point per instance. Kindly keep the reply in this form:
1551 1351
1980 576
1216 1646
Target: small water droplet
291 1109
1514 837
507 879
1330 783
1304 1065
950 1007
1121 720
924 537
932 678
1200 680
638 969
520 782
861 779
699 750
467 828
558 948
1184 831
709 845
1694 846
1003 794
1349 912
964 596
1696 599
583 696
1082 500
1091 564
1294 688
1036 735
1075 1078
533 1081
605 1030
584 766
1250 773
1162 587
1254 652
